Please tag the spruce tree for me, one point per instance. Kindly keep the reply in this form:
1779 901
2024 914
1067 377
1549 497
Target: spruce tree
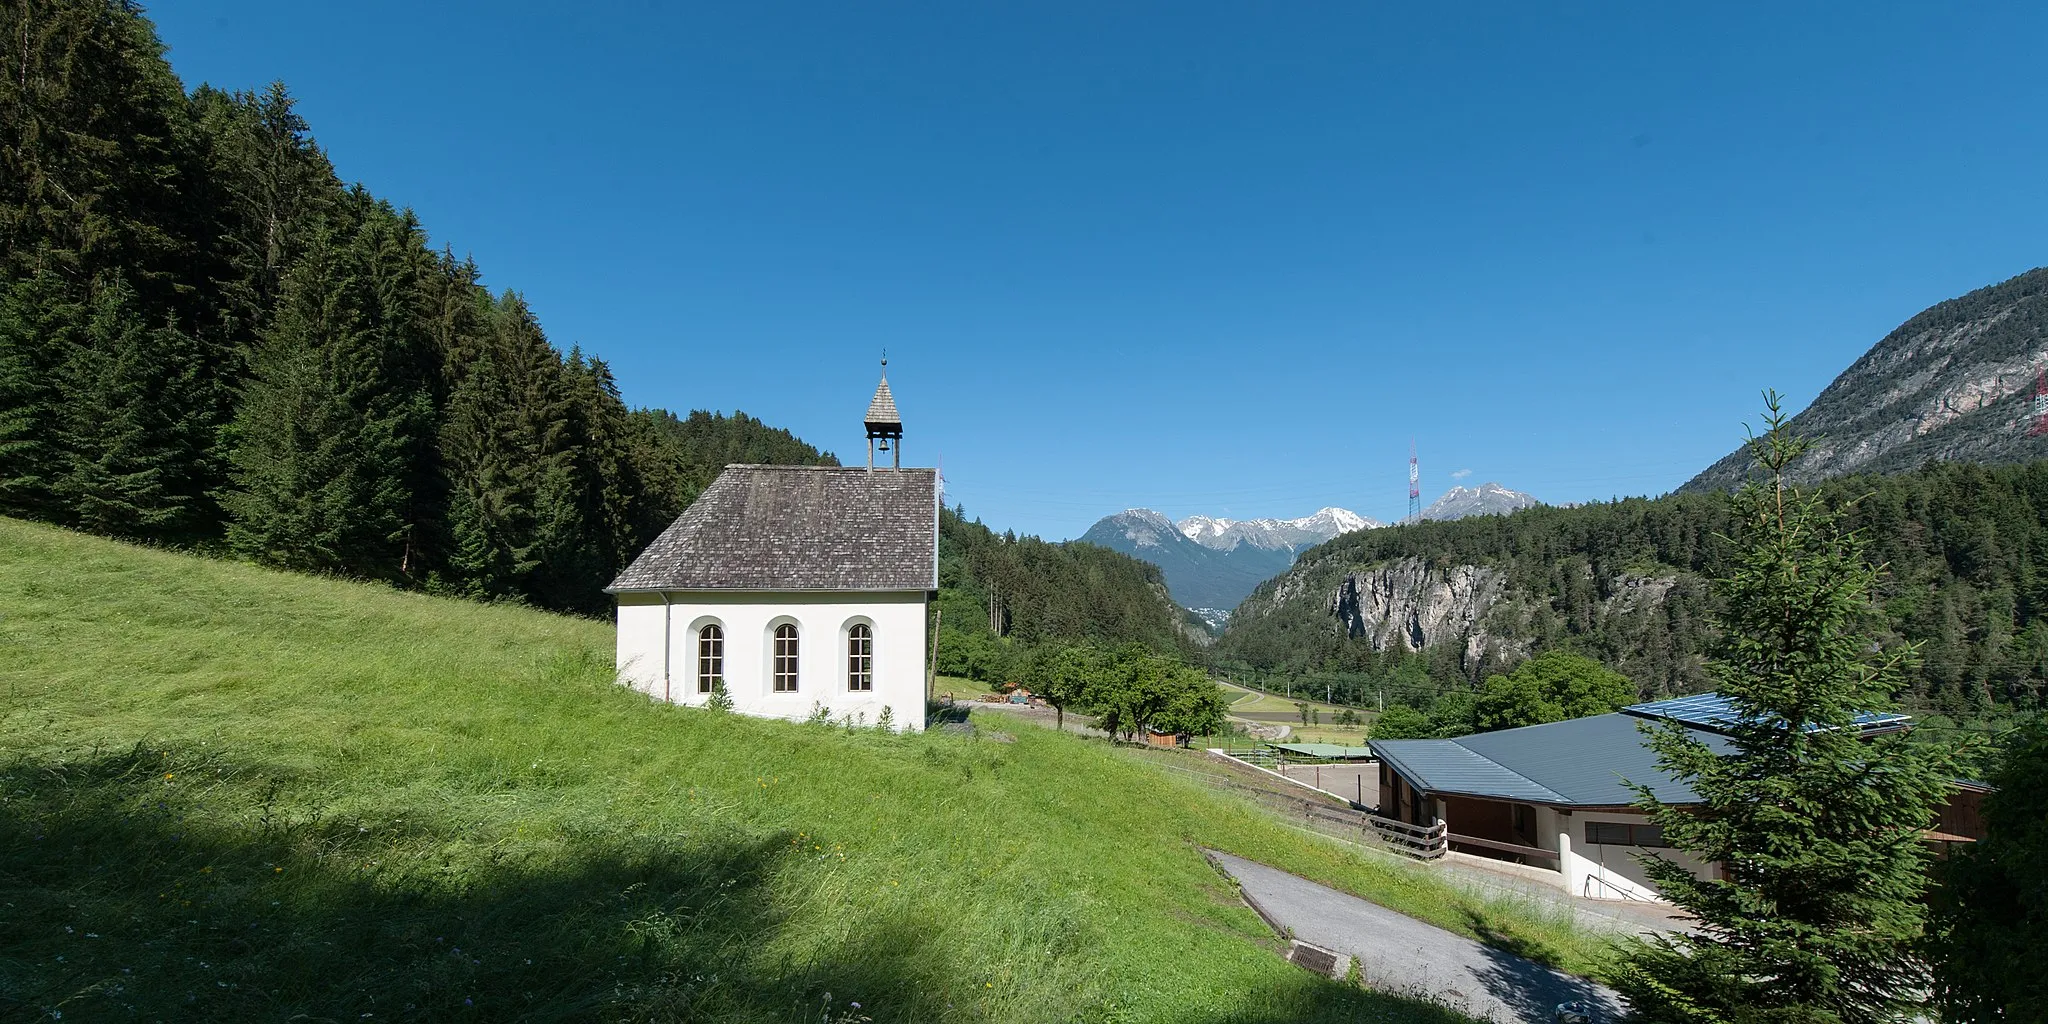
490 503
519 505
1817 904
37 322
327 429
92 147
126 431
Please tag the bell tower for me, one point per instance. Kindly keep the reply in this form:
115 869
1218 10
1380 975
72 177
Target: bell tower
885 425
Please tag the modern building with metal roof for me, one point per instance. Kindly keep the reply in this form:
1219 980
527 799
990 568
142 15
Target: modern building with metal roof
1584 762
1560 795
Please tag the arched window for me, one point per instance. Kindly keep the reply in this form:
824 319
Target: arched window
710 658
860 657
785 658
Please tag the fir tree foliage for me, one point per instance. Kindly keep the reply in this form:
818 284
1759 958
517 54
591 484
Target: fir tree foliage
1819 833
329 428
37 321
126 429
205 338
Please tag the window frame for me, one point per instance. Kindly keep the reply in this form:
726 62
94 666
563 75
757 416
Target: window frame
1647 835
784 674
860 658
710 655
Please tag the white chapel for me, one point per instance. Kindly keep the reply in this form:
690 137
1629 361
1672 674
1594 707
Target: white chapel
793 587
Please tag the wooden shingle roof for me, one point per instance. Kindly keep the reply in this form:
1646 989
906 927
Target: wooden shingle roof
882 408
799 528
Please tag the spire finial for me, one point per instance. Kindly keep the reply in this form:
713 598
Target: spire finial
885 360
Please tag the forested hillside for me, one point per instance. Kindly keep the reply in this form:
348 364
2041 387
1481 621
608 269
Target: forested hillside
1005 599
1413 610
207 339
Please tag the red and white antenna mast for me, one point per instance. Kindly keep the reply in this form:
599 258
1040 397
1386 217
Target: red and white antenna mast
1414 485
2040 404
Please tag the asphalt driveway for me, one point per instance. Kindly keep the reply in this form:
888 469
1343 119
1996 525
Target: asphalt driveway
1399 954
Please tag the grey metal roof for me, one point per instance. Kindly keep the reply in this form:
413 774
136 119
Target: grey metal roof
1716 713
1584 762
799 528
1446 766
882 408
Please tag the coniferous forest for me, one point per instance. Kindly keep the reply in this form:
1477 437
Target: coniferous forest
1963 553
207 339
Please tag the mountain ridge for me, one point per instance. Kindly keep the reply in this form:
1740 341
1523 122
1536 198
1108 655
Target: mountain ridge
1210 564
1223 534
1487 499
1954 383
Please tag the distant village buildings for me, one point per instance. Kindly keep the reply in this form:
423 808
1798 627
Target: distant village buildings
792 589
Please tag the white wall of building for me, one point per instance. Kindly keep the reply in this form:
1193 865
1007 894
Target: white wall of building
647 628
1612 871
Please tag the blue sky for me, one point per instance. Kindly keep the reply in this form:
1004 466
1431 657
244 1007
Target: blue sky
1220 258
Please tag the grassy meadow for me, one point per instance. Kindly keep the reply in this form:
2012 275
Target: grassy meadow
228 793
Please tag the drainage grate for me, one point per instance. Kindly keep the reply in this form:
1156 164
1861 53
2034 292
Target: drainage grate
1327 962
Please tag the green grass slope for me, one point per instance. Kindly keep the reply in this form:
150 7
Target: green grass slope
233 794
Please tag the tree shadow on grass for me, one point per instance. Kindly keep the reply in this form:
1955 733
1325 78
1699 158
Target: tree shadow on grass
124 897
1311 999
1516 974
147 885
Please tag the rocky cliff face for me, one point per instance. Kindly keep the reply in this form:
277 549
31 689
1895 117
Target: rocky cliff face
1408 605
1954 383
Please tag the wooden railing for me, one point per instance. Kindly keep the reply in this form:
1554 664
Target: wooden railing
1494 844
1423 842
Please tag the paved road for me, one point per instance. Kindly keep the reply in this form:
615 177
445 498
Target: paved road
1399 954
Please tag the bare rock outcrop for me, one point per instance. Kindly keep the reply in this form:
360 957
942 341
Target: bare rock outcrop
1408 605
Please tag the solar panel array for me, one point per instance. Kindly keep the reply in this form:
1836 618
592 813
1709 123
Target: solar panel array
1716 713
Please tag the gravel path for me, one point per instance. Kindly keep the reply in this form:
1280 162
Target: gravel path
1399 954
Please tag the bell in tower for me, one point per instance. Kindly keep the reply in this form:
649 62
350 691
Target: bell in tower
884 424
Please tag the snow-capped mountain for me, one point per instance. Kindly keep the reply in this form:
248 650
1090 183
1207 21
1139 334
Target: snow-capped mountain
1211 564
1289 535
1488 499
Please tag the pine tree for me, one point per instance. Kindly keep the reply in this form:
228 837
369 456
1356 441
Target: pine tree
1818 904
